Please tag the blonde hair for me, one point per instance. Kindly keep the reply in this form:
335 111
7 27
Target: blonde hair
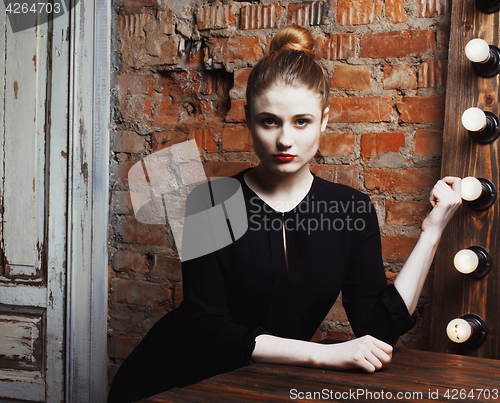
290 61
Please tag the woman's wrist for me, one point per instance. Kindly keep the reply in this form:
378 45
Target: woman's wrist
431 236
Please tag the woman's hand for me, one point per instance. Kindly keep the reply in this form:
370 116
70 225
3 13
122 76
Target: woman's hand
445 199
367 353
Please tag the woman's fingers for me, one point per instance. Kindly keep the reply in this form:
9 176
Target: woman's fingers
445 199
370 354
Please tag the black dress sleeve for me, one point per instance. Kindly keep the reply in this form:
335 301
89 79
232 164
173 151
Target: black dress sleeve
372 306
204 291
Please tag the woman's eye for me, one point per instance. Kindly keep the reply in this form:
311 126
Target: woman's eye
269 122
302 122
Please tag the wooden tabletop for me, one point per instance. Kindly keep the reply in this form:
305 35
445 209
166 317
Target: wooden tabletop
412 376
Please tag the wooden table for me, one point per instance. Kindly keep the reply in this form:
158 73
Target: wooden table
413 376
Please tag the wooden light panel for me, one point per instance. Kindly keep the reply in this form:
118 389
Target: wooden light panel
455 294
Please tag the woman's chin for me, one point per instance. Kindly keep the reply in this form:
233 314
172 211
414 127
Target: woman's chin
285 168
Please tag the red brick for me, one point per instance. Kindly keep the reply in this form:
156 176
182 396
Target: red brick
129 142
344 174
237 112
124 260
241 78
236 139
119 172
337 312
394 11
121 346
339 336
336 46
135 109
316 336
406 212
205 139
442 37
112 370
178 295
167 138
374 144
166 24
133 231
353 12
185 83
258 16
131 26
410 180
225 169
397 248
424 109
390 277
126 320
142 293
121 202
166 267
135 6
169 52
216 17
432 74
166 111
307 14
433 8
360 109
245 48
336 144
132 84
195 57
399 76
351 77
429 142
397 44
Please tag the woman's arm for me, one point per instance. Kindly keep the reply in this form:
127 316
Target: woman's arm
445 199
367 353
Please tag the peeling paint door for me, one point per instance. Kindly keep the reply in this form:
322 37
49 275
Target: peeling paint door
33 172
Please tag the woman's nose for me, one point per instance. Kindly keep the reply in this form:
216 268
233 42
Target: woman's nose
285 139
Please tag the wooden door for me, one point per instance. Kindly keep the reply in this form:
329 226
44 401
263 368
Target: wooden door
33 171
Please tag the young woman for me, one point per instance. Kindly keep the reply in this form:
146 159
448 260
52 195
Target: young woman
262 298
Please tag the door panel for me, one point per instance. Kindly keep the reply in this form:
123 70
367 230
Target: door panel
33 168
24 152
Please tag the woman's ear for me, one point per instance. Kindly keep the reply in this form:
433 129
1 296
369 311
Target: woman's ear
324 122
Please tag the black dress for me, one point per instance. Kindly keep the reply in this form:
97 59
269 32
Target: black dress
246 289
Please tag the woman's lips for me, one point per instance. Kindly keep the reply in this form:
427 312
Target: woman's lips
284 157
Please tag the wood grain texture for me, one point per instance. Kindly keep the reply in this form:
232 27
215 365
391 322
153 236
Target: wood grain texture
414 373
455 294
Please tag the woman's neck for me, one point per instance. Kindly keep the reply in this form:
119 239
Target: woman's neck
279 190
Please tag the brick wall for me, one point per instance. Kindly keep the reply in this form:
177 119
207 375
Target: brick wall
181 69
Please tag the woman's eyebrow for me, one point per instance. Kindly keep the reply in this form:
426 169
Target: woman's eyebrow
266 114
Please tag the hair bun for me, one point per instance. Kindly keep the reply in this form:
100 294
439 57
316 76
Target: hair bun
293 37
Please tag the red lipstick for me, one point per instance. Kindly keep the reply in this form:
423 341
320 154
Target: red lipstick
284 157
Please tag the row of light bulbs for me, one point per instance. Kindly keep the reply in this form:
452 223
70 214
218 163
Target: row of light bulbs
479 193
474 261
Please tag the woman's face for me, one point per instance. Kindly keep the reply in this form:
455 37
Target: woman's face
286 123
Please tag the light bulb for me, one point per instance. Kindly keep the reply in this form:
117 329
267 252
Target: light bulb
466 261
474 119
488 6
459 330
477 51
471 188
